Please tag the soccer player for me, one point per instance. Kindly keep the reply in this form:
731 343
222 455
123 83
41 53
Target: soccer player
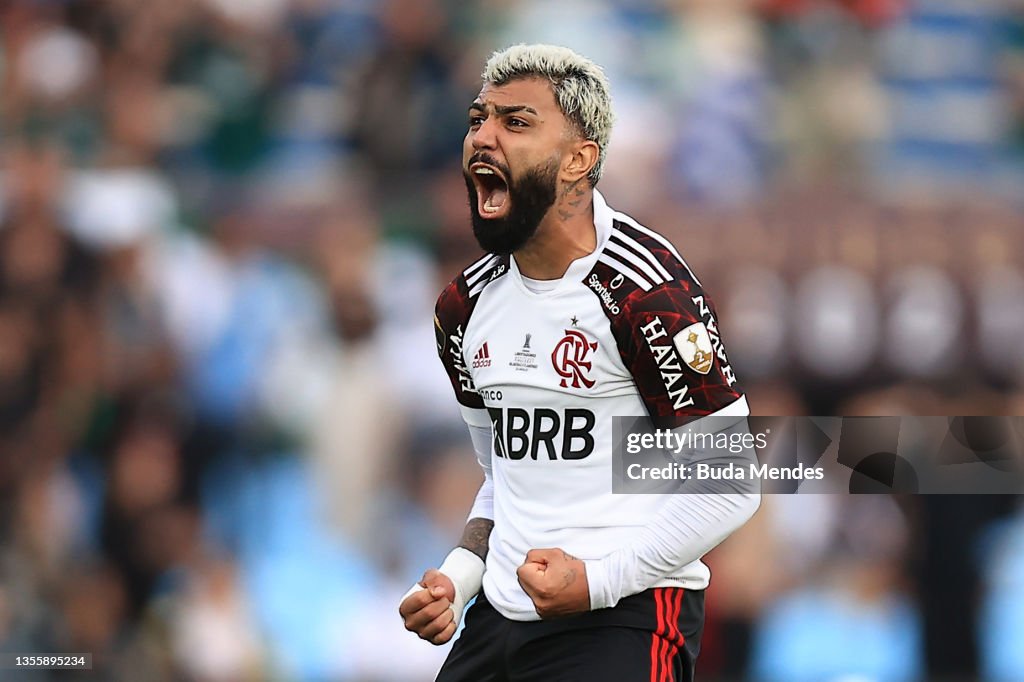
576 314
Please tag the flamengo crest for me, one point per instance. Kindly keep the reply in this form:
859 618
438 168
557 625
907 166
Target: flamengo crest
569 359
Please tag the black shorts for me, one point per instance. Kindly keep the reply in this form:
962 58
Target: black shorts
654 635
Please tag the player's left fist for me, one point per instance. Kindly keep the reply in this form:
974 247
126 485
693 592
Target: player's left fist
556 582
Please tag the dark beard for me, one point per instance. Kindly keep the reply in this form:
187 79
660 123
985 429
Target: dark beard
531 196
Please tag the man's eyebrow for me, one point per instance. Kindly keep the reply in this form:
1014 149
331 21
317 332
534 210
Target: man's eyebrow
504 110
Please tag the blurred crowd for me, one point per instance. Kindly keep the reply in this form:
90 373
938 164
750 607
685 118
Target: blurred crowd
226 444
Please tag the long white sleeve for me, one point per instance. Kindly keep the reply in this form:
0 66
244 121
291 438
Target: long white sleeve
483 505
688 526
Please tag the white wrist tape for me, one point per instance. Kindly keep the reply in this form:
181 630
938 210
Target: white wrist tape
466 571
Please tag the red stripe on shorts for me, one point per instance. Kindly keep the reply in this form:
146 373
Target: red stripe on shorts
655 677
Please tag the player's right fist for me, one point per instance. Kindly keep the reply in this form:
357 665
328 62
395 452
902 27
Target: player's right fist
426 609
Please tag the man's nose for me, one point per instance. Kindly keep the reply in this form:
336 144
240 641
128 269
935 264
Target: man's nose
485 137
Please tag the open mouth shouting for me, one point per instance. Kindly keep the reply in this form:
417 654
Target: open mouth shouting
507 211
491 184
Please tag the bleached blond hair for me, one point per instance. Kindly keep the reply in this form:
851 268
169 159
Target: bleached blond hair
580 87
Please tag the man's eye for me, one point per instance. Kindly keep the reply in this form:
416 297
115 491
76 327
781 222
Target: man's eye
517 123
475 121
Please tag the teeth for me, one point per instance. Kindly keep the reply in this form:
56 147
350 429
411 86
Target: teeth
489 208
484 171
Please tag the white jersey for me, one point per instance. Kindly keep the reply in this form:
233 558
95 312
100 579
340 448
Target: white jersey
626 331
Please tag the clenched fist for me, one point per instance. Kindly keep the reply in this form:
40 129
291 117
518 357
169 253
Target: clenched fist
556 582
428 612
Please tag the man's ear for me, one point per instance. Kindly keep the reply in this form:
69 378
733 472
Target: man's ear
583 156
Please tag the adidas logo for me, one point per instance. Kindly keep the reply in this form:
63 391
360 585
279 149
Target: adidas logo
482 357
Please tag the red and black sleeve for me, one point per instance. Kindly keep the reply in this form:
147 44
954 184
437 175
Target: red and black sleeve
666 328
451 315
